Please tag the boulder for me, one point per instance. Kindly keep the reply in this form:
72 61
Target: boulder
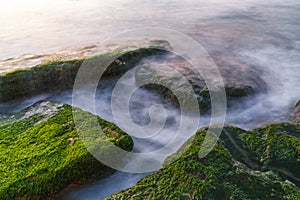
42 153
238 81
259 164
60 75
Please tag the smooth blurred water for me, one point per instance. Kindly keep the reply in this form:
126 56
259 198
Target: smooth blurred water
30 27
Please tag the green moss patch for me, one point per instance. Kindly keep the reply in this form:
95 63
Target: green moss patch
41 156
59 75
243 165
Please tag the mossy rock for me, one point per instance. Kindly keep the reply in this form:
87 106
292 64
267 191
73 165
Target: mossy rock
41 152
259 164
60 75
180 76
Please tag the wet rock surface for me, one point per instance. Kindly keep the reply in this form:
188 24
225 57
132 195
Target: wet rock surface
44 109
238 81
297 113
60 75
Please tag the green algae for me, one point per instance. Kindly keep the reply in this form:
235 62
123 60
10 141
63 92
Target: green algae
243 165
39 157
59 75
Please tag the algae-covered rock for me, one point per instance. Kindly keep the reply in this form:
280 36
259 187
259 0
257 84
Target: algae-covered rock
59 75
259 164
45 109
41 152
237 81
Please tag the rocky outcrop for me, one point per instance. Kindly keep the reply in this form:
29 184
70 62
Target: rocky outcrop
297 113
41 152
238 81
59 75
259 164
